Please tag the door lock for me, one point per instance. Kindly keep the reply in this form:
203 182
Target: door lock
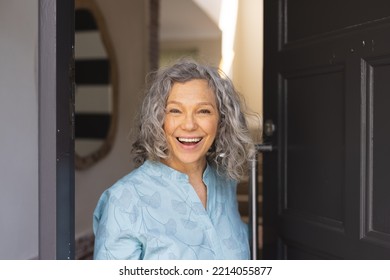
269 128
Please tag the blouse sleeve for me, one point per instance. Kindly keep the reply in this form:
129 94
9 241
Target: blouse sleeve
114 238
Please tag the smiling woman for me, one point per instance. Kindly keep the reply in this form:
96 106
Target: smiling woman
190 126
96 86
193 145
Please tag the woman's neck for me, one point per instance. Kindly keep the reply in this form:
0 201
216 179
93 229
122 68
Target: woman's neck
194 171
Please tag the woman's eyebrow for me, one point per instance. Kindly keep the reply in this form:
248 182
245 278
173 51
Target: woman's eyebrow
198 104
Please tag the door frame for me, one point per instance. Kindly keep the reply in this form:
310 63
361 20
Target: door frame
272 185
56 129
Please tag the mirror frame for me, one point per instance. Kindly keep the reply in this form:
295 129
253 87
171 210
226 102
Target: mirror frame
84 162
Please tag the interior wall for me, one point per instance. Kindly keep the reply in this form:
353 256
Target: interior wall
208 49
19 129
127 26
248 59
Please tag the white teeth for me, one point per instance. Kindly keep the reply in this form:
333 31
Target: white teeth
189 140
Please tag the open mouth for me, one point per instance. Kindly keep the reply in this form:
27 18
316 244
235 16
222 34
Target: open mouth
189 141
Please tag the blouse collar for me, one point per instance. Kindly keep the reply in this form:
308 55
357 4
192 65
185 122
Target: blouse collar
165 170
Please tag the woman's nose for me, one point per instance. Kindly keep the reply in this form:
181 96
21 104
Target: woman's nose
189 122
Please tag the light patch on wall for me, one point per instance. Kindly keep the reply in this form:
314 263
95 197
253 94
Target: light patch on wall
227 23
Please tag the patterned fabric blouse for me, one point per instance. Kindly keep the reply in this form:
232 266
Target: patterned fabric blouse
154 213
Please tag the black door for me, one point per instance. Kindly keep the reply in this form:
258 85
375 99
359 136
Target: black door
327 90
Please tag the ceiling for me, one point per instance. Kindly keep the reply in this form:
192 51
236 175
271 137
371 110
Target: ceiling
185 20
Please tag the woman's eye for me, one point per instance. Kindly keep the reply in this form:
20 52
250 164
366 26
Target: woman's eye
204 111
174 111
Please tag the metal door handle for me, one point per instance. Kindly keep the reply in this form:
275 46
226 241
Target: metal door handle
253 226
261 148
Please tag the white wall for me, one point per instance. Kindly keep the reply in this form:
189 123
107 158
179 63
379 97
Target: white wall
127 24
184 26
19 129
248 59
208 49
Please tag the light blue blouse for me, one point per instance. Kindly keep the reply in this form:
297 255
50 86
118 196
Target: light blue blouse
154 213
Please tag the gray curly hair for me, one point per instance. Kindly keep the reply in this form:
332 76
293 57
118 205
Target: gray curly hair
233 146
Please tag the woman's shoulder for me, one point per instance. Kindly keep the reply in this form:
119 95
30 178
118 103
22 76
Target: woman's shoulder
219 176
127 181
222 184
143 179
126 189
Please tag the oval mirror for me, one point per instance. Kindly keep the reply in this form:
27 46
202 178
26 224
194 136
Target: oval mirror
96 86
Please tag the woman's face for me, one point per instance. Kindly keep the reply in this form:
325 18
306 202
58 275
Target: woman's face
191 123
